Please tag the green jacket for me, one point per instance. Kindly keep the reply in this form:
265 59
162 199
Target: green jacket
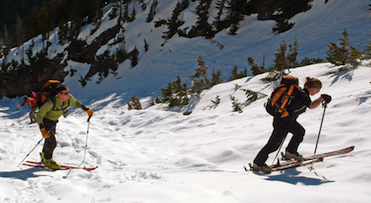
47 111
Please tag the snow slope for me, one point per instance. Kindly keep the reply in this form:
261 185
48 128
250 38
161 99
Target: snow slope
314 30
153 155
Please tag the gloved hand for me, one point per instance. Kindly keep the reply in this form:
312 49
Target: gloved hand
45 133
90 112
327 98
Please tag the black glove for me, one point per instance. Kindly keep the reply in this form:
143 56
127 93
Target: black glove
326 98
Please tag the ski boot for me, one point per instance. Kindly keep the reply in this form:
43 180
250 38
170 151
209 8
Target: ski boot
263 169
295 156
50 163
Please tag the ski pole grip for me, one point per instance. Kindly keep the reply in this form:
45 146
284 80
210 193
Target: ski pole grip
88 119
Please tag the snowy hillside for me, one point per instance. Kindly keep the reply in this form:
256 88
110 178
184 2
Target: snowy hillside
157 156
314 30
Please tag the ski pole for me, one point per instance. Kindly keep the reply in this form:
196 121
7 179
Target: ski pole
278 151
319 133
30 151
87 135
86 146
34 147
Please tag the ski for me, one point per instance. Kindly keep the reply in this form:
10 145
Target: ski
322 155
327 154
297 164
306 160
62 167
285 166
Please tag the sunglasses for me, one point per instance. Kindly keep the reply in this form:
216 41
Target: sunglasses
65 93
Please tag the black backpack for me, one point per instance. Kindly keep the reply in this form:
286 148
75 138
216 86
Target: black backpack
281 97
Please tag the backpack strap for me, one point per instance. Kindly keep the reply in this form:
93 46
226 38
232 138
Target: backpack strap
287 98
60 109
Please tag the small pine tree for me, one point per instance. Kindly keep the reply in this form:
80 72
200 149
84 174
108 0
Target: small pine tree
235 75
167 92
252 95
308 61
235 104
199 84
216 77
280 63
367 52
293 54
217 100
255 68
343 54
180 95
134 56
176 93
134 104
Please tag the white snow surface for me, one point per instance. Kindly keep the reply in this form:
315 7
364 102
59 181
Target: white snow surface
155 155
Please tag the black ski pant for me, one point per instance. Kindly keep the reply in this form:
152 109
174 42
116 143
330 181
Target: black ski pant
50 143
281 127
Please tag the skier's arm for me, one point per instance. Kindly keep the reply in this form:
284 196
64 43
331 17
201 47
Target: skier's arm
78 104
316 103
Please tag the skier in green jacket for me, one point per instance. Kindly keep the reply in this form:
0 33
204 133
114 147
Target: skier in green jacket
47 118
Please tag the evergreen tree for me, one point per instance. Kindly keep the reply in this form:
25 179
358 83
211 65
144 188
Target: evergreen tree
235 104
280 63
235 75
180 94
367 52
152 11
235 14
20 35
199 84
255 68
202 27
345 54
282 25
44 22
134 104
219 23
134 57
285 10
293 54
174 23
216 77
167 92
308 61
252 95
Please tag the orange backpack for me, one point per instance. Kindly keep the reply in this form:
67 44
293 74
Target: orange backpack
48 91
281 97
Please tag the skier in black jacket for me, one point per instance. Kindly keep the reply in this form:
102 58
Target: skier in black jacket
282 126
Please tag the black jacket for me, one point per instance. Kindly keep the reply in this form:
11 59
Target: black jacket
299 103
